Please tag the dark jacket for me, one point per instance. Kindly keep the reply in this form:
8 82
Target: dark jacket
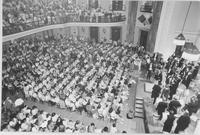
169 123
165 92
183 122
161 107
173 105
156 91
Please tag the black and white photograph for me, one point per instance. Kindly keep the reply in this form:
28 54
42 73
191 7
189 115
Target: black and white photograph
100 66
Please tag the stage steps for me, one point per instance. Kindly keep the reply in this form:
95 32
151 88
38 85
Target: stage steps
139 109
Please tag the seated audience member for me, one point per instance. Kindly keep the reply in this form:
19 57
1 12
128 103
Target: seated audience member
91 128
113 128
105 130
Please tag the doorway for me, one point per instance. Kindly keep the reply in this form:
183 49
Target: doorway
116 33
143 38
94 34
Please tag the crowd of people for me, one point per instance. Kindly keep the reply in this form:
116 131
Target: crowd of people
30 119
72 73
23 15
174 107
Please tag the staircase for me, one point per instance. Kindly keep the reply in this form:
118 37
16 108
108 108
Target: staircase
139 110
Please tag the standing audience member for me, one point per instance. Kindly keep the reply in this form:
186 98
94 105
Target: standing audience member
168 124
161 108
149 70
155 92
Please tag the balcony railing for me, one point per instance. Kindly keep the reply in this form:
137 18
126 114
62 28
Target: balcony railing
20 27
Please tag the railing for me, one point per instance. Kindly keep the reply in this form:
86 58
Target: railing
15 28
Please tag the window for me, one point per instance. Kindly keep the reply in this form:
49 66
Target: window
146 6
117 5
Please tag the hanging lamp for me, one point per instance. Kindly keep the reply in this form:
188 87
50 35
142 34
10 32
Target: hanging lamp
180 39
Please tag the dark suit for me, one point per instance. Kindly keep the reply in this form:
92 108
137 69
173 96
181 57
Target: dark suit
161 108
187 80
173 105
192 107
182 123
169 123
165 93
149 71
195 72
173 89
158 77
155 92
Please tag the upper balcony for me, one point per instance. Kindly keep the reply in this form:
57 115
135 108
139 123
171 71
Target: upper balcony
70 18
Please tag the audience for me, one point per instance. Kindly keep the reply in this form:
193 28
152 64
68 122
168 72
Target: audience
23 15
70 77
83 76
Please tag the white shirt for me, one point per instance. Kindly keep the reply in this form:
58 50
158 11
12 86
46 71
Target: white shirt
113 130
19 102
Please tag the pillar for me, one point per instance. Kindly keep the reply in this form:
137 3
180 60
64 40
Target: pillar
131 20
157 8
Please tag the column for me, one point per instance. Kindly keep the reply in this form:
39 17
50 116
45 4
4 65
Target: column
164 38
157 8
131 20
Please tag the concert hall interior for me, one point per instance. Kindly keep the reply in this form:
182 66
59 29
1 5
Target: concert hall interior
100 66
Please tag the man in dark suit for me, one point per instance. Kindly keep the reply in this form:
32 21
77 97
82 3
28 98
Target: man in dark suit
195 72
165 92
193 106
180 63
173 88
159 77
169 122
187 80
174 105
149 70
182 123
161 108
155 92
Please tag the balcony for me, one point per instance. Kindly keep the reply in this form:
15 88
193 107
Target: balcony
71 18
